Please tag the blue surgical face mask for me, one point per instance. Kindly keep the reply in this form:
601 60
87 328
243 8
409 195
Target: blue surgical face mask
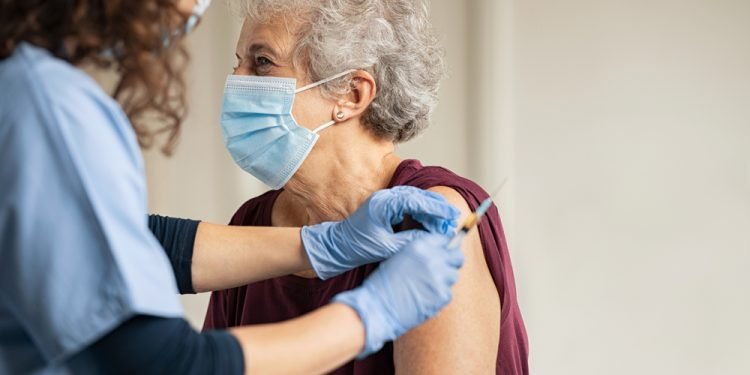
259 130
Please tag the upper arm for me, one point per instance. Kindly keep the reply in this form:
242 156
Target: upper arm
177 237
463 337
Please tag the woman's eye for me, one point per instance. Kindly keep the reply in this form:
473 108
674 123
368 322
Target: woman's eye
262 65
262 61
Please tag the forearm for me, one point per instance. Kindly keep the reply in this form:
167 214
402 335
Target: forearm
207 257
314 343
230 256
153 345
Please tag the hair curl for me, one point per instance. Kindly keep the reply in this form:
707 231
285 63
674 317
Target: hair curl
126 34
391 39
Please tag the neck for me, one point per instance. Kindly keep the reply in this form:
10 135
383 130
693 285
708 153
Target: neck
339 178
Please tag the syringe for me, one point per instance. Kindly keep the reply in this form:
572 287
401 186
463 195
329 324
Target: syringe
475 217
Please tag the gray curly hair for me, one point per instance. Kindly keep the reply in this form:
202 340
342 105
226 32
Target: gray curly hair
391 39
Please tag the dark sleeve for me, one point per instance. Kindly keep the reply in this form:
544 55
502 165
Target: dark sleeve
152 345
177 237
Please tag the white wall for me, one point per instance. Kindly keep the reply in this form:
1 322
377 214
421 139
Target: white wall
631 135
623 128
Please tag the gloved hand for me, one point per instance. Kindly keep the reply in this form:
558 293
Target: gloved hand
367 235
405 290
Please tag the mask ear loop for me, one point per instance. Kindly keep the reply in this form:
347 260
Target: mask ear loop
303 88
331 78
324 126
339 116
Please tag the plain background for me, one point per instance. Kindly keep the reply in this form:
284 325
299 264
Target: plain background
623 127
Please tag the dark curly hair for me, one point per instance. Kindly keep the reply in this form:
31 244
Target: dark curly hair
128 35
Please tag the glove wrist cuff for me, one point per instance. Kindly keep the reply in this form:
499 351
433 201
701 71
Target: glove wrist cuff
377 326
318 247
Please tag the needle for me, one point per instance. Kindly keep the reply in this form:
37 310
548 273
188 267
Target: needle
475 217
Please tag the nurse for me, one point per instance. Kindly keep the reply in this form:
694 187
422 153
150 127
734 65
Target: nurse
84 285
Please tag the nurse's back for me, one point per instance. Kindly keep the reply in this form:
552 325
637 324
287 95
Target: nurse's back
71 187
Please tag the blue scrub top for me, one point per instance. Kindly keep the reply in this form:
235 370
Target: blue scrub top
76 255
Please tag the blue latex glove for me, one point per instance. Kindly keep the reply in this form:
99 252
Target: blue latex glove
405 290
367 235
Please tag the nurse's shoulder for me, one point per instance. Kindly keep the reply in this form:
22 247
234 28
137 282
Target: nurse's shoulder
45 97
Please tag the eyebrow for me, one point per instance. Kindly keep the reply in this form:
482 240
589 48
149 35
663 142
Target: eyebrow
261 47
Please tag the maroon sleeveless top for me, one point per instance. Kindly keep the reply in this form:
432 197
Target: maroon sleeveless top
287 297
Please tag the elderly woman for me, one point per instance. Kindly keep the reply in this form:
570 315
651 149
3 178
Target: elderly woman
362 76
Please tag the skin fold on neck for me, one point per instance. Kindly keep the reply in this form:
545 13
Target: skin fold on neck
336 180
334 189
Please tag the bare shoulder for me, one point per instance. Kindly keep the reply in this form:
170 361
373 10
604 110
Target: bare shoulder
462 338
454 198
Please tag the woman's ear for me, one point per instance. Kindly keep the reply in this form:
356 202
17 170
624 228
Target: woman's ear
356 102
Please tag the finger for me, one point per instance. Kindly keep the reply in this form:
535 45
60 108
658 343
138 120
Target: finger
427 196
445 298
436 225
451 277
457 261
385 206
429 245
410 235
432 209
404 238
455 258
